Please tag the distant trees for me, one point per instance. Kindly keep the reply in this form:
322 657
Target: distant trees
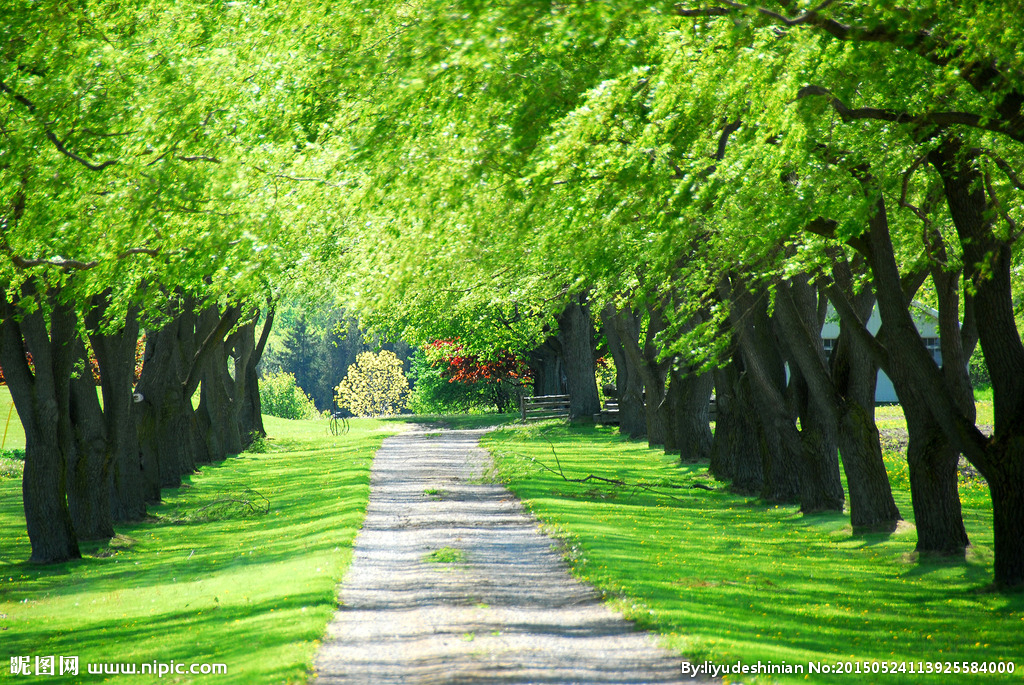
317 345
281 397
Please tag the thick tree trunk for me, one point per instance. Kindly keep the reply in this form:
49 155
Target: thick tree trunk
115 354
42 399
576 338
872 507
821 488
988 260
722 464
217 414
651 372
933 486
800 314
168 435
1007 490
628 382
546 366
89 471
777 436
735 450
161 442
779 446
854 373
931 456
689 396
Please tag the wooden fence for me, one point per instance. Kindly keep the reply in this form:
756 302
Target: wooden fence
540 407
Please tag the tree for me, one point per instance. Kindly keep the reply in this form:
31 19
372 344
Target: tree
374 386
662 156
129 182
496 381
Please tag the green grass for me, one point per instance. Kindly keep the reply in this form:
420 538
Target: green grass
446 555
728 578
203 585
12 435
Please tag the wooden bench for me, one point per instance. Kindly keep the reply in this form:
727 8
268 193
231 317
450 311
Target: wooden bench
540 407
609 414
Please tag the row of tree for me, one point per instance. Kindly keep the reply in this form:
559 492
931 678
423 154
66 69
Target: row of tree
704 179
700 177
145 185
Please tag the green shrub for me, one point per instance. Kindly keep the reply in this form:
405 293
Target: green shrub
257 444
12 453
281 397
432 393
977 369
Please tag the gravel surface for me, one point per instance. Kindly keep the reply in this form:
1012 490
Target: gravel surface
452 582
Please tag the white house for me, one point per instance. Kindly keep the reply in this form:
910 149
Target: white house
927 320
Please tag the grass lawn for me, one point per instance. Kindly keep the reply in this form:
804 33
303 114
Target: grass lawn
727 578
12 435
199 586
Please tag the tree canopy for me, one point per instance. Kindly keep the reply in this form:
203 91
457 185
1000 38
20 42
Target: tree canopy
709 176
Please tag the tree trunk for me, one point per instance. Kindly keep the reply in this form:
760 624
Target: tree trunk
988 260
546 365
89 471
931 456
652 373
735 450
217 415
689 396
628 382
115 354
933 487
168 434
777 436
722 464
42 399
576 337
1007 490
800 314
855 375
250 418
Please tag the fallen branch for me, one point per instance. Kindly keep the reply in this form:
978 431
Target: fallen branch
249 503
592 477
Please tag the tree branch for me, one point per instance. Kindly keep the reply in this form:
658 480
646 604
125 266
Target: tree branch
52 137
939 119
264 335
217 335
986 75
199 158
1013 232
64 263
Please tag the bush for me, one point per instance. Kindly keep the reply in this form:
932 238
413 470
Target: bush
281 397
375 385
433 393
12 463
977 370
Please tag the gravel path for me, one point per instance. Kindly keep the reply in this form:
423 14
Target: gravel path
506 611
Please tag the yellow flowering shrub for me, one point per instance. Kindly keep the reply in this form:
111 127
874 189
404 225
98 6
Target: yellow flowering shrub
375 385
